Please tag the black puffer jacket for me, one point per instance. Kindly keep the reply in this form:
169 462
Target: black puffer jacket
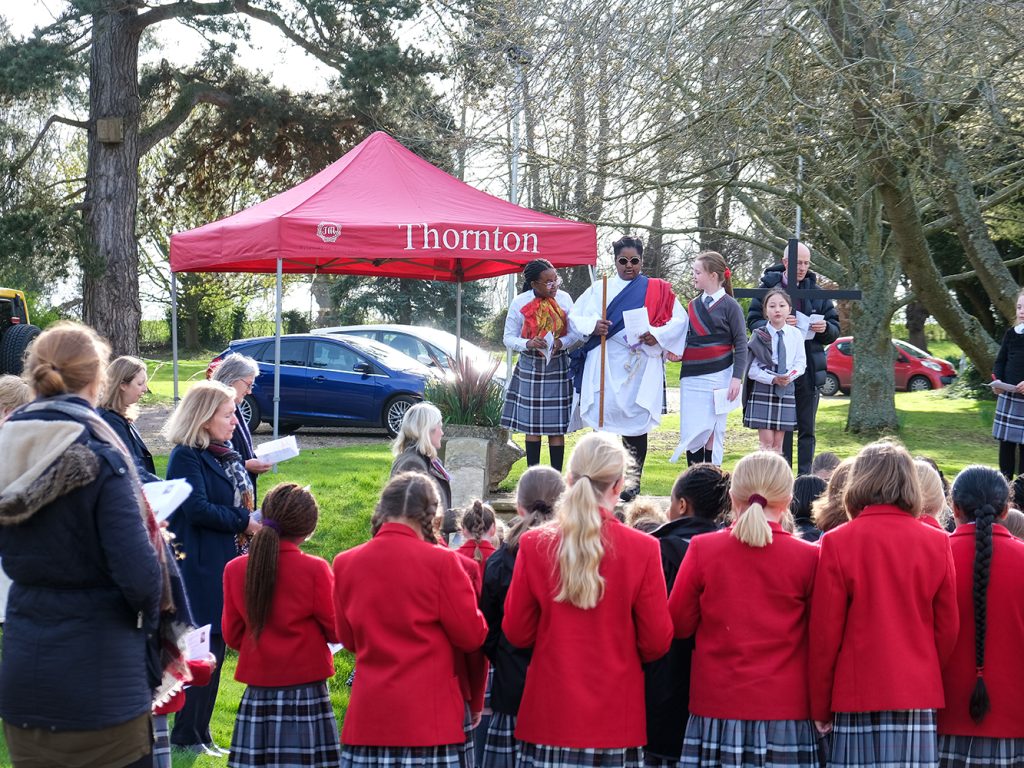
668 679
814 347
87 582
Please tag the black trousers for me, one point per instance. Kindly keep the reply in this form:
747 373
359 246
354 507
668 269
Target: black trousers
192 723
807 396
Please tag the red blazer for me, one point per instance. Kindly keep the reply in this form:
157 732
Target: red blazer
406 609
883 616
1004 640
469 548
931 521
585 683
292 648
201 671
749 609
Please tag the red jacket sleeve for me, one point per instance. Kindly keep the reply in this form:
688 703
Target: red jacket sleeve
650 611
827 627
460 616
946 612
343 629
684 602
323 601
522 609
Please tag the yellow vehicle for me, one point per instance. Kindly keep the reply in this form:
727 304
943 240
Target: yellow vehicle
16 332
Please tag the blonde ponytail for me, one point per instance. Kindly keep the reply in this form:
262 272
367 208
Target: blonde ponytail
760 480
598 463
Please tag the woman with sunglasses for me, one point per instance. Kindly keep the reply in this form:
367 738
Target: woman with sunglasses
539 397
634 371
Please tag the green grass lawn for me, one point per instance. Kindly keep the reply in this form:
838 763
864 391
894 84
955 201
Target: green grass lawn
161 377
346 482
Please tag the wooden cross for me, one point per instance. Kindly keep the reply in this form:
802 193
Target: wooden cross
795 292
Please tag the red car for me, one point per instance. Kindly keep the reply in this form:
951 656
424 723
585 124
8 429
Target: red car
915 369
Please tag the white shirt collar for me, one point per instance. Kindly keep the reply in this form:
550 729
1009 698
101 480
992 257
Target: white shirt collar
1019 327
716 295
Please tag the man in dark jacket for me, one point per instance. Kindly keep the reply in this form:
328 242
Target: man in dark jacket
825 331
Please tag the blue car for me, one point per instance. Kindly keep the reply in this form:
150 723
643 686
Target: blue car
330 381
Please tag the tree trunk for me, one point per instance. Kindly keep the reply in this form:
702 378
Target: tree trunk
917 316
111 265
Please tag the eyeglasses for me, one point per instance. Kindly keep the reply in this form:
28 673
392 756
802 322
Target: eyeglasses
549 284
248 384
624 261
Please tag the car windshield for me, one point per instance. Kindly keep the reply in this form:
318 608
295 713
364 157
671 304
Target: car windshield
382 353
911 350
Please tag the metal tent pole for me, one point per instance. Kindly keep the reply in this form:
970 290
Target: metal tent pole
174 333
277 352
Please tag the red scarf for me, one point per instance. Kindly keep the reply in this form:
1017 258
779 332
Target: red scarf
543 315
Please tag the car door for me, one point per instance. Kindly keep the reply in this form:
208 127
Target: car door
415 348
343 385
902 369
294 379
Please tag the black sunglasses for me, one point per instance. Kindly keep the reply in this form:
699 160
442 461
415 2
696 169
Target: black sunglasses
624 261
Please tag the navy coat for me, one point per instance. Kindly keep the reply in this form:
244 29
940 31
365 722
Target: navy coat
205 527
133 441
85 599
509 663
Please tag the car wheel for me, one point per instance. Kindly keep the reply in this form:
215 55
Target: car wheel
250 411
919 384
831 385
12 348
394 412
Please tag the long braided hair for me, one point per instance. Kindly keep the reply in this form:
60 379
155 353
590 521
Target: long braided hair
409 495
477 521
979 495
289 512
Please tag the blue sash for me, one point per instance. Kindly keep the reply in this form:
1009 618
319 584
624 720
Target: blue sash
632 296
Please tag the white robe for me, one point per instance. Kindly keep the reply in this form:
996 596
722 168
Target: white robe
634 379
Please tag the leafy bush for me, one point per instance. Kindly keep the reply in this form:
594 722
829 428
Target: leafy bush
469 395
970 384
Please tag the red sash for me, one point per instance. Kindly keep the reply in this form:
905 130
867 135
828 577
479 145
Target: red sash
700 319
659 300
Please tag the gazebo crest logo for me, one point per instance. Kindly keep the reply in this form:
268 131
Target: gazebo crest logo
328 231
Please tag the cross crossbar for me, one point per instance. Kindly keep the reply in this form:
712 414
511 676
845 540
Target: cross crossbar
799 293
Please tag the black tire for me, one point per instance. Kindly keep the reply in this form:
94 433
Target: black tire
394 412
250 412
831 385
919 384
15 341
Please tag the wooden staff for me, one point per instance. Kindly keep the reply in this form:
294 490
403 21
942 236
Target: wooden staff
604 342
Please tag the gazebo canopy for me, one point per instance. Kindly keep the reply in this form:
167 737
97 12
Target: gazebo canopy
381 210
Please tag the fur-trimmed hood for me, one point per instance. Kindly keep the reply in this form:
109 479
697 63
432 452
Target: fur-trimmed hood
43 461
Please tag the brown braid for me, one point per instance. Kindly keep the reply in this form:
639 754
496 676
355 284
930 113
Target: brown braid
477 521
411 495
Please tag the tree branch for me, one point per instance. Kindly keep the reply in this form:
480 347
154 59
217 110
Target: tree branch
191 96
84 124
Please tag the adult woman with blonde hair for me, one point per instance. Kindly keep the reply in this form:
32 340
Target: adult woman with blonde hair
585 575
207 526
416 450
745 593
126 383
884 619
829 511
79 671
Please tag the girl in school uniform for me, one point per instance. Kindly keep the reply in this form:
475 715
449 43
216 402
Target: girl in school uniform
539 397
883 619
278 613
982 723
777 359
407 609
715 359
588 596
1008 427
744 595
478 523
536 493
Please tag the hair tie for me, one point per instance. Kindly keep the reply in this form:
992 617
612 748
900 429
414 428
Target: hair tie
273 525
727 273
757 498
980 670
580 477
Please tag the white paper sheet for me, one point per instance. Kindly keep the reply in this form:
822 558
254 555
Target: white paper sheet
1002 386
197 643
166 496
549 346
335 647
722 402
276 451
637 323
804 323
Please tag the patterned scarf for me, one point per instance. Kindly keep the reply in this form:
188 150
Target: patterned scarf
245 496
543 315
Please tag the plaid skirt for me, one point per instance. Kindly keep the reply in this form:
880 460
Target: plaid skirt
766 410
292 726
543 756
1009 420
892 739
442 756
710 742
161 742
501 750
539 397
468 752
979 752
